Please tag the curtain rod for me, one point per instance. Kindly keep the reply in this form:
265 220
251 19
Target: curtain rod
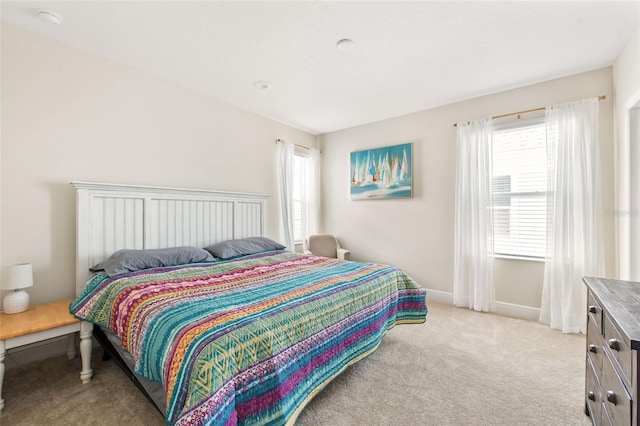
600 98
295 144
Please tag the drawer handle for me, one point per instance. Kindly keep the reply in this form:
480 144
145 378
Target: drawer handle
593 348
593 309
591 396
611 397
614 344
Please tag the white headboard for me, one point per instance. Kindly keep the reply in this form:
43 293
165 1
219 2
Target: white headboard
111 217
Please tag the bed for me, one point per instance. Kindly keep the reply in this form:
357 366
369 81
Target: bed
245 337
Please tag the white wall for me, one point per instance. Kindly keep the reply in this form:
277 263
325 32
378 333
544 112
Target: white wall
417 234
626 77
634 196
68 115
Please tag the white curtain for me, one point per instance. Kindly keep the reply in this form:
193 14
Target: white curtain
473 258
574 246
285 181
312 193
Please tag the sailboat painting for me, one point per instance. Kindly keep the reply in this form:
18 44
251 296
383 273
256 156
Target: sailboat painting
382 173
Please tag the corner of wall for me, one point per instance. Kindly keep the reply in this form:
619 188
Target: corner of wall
626 87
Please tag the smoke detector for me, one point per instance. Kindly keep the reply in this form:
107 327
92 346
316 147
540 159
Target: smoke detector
49 16
345 44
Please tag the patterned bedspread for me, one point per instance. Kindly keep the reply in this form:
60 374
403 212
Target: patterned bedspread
250 341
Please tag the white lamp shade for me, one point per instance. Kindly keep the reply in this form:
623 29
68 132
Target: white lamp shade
17 276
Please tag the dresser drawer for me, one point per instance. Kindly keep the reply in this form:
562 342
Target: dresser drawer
594 345
595 311
617 402
622 355
593 398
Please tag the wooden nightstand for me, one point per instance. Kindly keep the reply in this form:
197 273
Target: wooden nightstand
41 322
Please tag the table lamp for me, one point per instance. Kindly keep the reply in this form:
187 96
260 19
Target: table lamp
16 278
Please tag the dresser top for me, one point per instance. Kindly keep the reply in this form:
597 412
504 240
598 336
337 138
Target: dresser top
621 299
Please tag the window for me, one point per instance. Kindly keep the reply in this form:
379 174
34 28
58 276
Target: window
300 185
520 190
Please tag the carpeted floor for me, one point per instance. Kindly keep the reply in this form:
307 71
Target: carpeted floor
459 368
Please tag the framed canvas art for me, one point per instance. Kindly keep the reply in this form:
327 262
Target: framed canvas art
382 173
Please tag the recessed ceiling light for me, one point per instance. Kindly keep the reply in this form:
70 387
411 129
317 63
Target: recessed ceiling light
262 85
345 44
49 16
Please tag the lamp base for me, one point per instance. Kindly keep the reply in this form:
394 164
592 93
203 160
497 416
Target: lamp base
15 302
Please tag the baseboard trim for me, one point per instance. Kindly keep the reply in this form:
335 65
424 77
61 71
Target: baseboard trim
440 296
502 308
518 311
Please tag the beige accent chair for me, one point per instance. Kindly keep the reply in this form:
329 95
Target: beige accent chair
325 245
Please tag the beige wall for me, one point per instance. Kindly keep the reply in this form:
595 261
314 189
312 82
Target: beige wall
68 115
626 77
417 234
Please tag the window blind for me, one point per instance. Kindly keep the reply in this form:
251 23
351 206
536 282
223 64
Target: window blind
520 190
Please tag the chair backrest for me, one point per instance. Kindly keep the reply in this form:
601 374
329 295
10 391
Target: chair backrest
323 245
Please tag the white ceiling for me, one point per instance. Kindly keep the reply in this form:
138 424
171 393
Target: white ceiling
408 56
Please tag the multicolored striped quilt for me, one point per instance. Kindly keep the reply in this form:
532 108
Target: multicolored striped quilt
251 340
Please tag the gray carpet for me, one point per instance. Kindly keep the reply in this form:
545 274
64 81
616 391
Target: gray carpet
459 368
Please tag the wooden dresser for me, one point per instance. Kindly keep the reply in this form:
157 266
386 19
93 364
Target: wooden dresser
613 344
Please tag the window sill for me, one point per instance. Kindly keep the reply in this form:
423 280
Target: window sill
530 259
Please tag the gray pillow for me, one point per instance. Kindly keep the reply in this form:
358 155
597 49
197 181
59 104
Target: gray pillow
134 260
243 246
